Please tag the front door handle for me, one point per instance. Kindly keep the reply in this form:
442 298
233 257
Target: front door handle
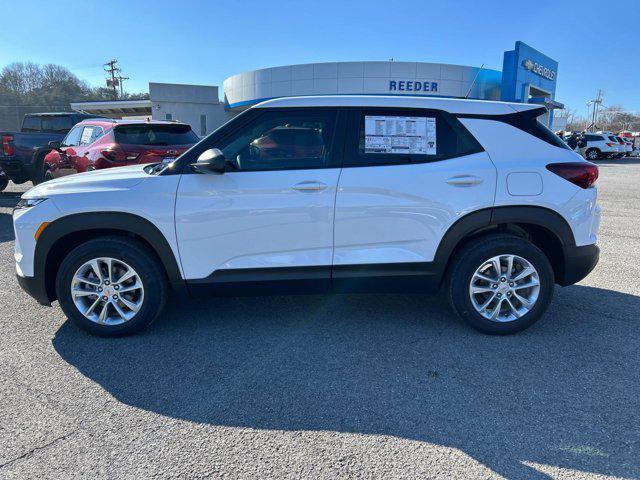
309 186
464 181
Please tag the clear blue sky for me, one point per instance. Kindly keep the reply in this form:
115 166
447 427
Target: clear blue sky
202 42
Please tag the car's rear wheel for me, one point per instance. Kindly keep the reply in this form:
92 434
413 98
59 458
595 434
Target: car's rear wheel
111 286
501 284
592 154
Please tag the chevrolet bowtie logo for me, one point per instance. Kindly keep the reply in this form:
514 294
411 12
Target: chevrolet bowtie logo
528 64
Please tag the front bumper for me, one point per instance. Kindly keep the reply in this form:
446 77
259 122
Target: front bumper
35 287
578 263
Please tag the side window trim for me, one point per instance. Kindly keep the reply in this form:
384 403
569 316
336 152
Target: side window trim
228 131
352 137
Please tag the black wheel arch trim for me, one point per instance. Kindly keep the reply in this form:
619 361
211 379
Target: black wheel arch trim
487 218
127 223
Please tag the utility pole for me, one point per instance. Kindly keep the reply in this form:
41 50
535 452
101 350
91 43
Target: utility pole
120 81
113 82
596 106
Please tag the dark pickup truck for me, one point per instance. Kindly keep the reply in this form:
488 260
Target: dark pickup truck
22 153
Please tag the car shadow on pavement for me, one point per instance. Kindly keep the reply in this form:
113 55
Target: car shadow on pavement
563 393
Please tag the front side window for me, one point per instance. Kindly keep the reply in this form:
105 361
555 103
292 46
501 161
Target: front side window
282 140
73 137
397 136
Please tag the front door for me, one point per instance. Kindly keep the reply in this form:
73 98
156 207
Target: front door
270 215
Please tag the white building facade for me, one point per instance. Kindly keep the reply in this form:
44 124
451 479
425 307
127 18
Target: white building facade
361 78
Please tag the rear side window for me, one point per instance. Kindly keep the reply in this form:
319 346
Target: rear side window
56 124
90 134
155 135
31 124
400 136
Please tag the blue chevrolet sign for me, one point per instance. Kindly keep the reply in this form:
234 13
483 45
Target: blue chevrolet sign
412 86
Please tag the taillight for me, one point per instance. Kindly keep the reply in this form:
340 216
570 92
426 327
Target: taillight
611 144
117 154
7 145
581 174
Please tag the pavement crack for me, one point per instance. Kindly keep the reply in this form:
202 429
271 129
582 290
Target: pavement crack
28 453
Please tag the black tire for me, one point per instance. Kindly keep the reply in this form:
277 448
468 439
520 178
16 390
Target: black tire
39 169
592 154
133 253
479 251
4 180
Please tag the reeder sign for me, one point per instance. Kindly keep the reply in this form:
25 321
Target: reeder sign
412 86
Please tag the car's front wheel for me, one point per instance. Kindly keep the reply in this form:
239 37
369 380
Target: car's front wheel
111 286
500 284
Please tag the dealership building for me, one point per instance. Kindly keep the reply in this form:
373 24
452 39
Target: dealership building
527 76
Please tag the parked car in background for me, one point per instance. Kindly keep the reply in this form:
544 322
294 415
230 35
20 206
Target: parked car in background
104 143
600 145
22 154
318 194
627 144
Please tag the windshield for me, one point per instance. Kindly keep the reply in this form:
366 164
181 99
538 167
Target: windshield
155 135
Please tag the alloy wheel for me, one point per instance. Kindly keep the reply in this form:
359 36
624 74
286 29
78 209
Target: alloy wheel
504 288
107 291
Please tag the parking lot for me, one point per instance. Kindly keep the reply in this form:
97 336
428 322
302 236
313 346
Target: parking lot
333 386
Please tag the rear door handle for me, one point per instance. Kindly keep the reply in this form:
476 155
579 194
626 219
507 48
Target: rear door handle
464 181
309 186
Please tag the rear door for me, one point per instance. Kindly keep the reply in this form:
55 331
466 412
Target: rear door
408 176
270 215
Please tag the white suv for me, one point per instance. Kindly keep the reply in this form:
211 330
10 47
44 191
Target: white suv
602 145
324 194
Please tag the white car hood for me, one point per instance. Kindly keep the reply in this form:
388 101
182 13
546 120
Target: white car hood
119 178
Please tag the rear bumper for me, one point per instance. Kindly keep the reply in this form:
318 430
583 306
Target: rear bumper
578 263
35 287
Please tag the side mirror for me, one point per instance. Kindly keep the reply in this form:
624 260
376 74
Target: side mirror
210 161
55 145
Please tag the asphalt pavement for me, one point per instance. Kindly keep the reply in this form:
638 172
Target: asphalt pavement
363 386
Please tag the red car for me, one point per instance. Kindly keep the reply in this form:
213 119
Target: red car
103 143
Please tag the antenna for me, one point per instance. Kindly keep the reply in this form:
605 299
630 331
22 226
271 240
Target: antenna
474 81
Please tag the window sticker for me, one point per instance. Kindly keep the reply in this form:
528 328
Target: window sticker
402 135
86 136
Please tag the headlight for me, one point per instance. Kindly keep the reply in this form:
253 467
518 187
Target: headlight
29 202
